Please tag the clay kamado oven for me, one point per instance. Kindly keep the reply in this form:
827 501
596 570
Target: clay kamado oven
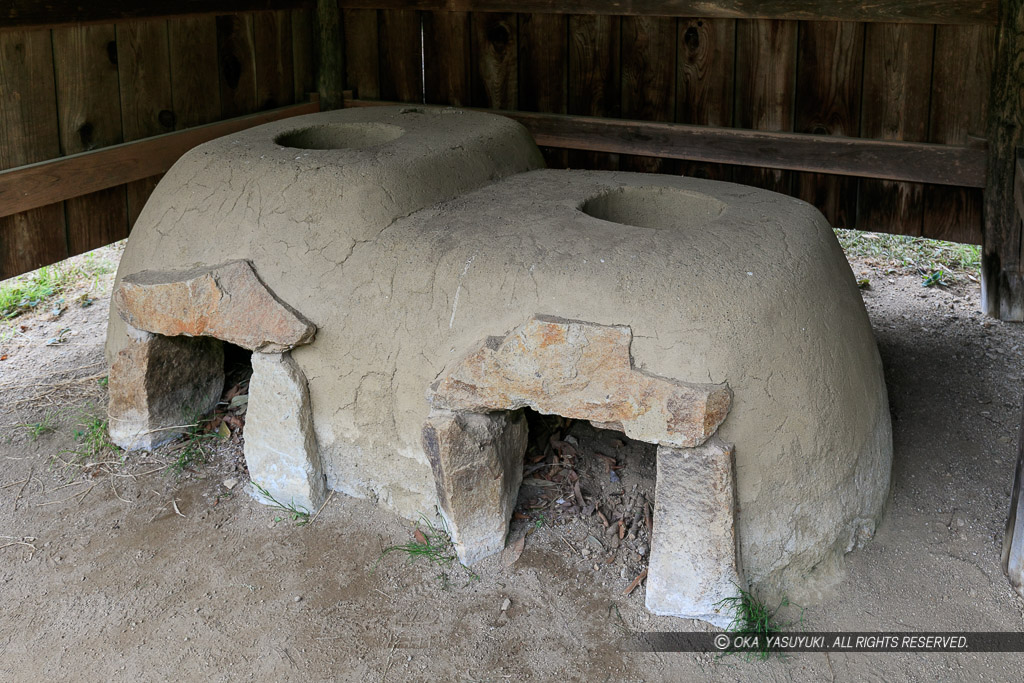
409 279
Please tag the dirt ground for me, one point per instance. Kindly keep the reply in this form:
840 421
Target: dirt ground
131 571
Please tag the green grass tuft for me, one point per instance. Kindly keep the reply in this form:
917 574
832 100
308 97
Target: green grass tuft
92 438
47 425
435 546
94 450
194 448
430 543
24 293
298 513
754 619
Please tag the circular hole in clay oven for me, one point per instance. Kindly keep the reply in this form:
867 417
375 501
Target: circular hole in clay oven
340 136
660 208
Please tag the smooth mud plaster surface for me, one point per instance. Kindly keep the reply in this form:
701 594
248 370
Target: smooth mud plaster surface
407 255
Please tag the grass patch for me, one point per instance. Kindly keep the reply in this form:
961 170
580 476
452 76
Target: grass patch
298 513
193 450
94 450
936 261
93 439
434 545
429 543
47 425
24 293
754 620
27 292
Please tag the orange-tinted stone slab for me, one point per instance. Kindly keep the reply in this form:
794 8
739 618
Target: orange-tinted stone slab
582 371
227 301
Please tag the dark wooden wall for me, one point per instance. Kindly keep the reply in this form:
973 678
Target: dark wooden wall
847 94
77 88
889 81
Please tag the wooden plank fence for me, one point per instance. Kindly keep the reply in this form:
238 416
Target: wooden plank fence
820 81
911 82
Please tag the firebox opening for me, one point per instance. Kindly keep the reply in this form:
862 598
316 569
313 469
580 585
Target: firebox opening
234 401
592 487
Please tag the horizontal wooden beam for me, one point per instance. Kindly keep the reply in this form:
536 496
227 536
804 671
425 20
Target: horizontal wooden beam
29 187
26 14
861 157
894 11
915 162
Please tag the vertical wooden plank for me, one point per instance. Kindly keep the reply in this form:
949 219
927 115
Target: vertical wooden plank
648 81
960 88
704 88
1002 254
765 83
303 60
329 54
237 60
897 81
28 121
143 61
493 63
362 57
446 57
829 72
272 44
195 78
595 87
543 57
401 64
89 115
1013 534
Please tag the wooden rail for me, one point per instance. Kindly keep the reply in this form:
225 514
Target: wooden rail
47 182
28 14
972 12
888 160
31 14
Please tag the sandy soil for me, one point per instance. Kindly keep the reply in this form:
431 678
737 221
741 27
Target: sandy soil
129 571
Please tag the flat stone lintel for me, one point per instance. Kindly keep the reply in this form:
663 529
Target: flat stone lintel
581 370
227 301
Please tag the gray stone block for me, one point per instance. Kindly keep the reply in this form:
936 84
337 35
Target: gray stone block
280 447
694 561
478 466
159 384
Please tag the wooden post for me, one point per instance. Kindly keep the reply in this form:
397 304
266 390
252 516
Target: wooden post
330 54
1013 539
1002 264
